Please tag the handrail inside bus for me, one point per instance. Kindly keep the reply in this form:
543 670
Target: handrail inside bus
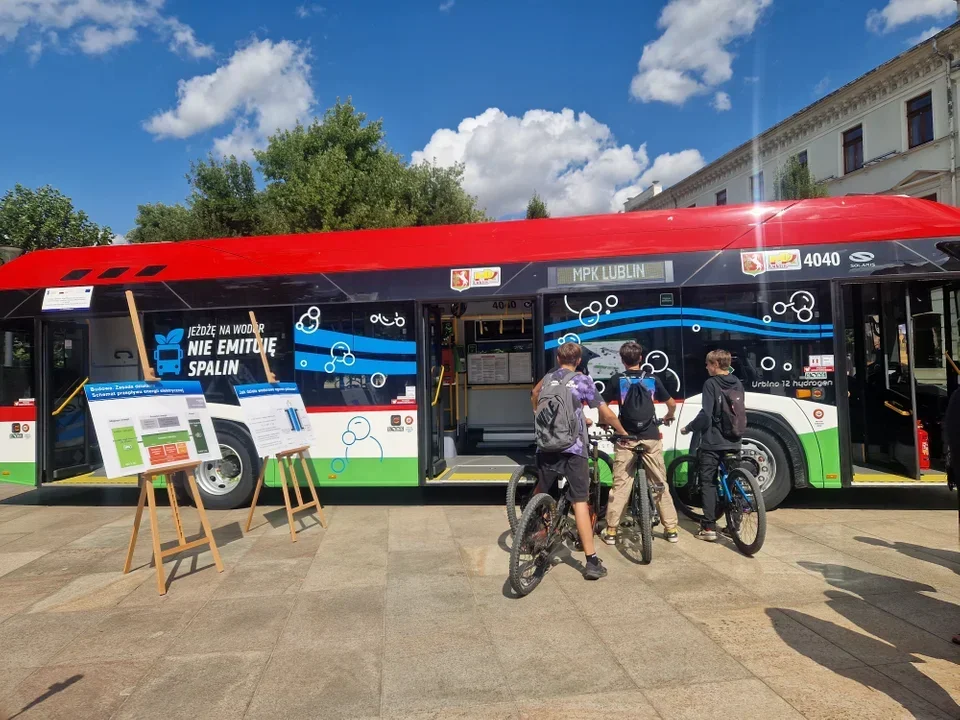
436 397
70 397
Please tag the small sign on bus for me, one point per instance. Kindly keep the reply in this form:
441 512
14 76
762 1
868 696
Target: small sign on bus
67 298
603 274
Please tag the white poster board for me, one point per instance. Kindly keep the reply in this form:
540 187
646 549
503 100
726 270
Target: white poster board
275 416
146 426
67 298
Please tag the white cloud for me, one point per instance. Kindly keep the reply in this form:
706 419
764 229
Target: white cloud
94 41
902 12
305 11
183 40
572 160
95 26
821 87
691 57
447 5
722 102
263 87
925 35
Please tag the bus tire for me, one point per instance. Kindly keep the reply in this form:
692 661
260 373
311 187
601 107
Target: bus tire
229 483
758 442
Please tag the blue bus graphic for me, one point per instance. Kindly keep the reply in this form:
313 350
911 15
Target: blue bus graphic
168 353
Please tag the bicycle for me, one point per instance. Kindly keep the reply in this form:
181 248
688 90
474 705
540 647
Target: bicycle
642 514
545 523
525 479
739 498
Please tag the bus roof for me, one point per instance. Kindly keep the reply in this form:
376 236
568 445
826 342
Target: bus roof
783 224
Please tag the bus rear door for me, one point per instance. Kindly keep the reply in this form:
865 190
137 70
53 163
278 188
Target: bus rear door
70 440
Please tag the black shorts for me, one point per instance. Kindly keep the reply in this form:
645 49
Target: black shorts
573 467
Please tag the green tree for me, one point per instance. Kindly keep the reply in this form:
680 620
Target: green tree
537 208
335 174
224 202
795 182
159 223
45 218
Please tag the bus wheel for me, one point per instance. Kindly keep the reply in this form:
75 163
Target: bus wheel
773 467
228 483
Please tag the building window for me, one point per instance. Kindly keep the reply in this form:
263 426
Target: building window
722 197
931 198
802 158
920 120
756 187
853 149
692 205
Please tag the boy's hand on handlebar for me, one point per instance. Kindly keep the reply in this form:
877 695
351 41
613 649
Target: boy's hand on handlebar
685 431
668 420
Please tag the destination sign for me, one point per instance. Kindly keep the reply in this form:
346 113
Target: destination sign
603 274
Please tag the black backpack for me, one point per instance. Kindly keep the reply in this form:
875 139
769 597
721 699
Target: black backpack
732 412
636 404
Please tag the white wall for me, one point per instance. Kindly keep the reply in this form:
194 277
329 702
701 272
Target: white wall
884 130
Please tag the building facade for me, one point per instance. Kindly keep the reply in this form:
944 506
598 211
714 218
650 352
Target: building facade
890 131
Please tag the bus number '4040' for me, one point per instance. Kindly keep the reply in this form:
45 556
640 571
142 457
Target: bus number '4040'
827 259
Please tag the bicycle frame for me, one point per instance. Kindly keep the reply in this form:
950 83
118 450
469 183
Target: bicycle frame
724 483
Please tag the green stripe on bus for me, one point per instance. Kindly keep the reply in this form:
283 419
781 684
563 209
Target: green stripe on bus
822 449
360 472
18 473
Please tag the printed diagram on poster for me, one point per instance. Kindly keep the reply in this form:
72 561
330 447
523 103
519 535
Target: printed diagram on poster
275 416
465 278
146 426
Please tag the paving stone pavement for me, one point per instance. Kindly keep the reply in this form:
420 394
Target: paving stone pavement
405 612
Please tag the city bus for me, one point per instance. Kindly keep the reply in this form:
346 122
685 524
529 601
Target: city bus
415 349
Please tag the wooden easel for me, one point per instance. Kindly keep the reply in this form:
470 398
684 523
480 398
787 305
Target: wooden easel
285 462
148 496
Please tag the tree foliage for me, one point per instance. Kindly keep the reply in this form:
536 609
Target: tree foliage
537 208
334 174
45 218
796 182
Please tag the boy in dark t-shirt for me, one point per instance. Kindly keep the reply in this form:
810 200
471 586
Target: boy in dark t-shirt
644 428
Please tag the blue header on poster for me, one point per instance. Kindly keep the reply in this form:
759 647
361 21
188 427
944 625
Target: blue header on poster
266 389
140 389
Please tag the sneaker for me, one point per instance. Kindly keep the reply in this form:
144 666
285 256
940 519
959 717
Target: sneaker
671 535
707 534
609 536
594 570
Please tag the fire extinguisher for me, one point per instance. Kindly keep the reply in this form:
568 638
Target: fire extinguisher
923 442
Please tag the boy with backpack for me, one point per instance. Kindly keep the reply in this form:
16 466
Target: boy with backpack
562 442
636 393
721 422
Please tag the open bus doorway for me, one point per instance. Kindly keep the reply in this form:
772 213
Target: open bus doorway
900 340
75 353
481 374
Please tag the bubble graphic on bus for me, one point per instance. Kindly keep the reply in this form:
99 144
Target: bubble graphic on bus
168 353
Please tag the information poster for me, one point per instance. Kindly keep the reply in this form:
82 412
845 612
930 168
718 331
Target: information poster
488 369
275 416
147 426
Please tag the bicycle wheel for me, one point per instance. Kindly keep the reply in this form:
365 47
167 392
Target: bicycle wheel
519 491
685 487
746 514
530 554
636 538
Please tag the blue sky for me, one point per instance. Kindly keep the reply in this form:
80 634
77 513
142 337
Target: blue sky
92 106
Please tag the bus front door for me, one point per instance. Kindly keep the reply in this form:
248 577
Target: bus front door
878 338
70 439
